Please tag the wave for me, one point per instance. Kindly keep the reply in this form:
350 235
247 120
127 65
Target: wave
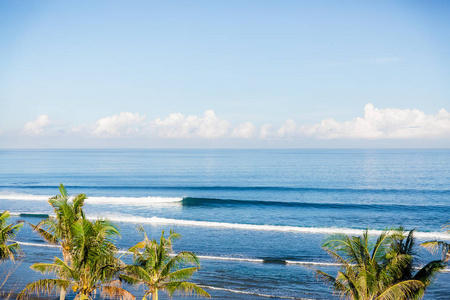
36 244
229 258
268 260
191 201
132 201
250 293
239 188
242 226
279 228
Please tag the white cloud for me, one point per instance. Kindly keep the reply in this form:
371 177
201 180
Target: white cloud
179 126
38 126
289 128
245 130
267 131
386 123
375 124
123 124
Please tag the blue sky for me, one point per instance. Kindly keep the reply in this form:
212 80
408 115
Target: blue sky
224 73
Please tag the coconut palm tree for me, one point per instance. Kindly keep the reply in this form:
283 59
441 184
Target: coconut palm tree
8 231
403 259
157 268
58 229
376 271
439 246
92 268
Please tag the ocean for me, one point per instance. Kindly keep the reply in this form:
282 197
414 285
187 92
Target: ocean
256 218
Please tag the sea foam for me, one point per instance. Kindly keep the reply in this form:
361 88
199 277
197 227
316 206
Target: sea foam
131 201
280 228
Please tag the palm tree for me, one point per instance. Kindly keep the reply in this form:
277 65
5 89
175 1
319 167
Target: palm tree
403 250
7 232
435 246
93 264
158 269
58 229
8 250
376 271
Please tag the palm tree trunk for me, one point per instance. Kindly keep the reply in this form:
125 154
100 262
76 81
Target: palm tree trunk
155 295
62 295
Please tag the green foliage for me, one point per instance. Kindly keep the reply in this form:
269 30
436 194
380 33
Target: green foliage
157 268
439 246
92 267
377 270
89 263
7 232
58 229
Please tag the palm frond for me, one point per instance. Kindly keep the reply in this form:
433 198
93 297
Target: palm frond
47 286
330 280
438 246
401 290
137 272
45 268
183 273
113 289
46 235
185 288
429 271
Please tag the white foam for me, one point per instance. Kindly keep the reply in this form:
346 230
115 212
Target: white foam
223 258
280 228
312 263
25 197
131 201
37 244
250 293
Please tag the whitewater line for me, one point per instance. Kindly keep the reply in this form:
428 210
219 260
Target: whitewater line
280 228
228 258
242 226
250 293
132 201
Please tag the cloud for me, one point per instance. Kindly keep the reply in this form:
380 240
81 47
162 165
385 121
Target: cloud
179 126
386 123
288 129
267 131
38 126
123 124
245 130
375 124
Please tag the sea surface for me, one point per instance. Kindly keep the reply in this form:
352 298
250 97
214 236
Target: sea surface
256 218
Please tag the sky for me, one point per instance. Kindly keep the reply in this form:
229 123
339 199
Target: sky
224 74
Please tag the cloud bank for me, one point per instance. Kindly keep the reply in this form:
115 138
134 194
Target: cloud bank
374 124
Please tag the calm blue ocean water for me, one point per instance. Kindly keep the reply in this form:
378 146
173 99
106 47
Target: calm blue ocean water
256 218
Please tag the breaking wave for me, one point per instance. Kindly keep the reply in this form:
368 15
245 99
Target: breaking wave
132 201
279 228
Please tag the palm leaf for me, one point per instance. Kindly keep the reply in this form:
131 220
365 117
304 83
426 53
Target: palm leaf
113 289
330 280
401 290
183 273
45 234
438 246
429 271
186 288
47 286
